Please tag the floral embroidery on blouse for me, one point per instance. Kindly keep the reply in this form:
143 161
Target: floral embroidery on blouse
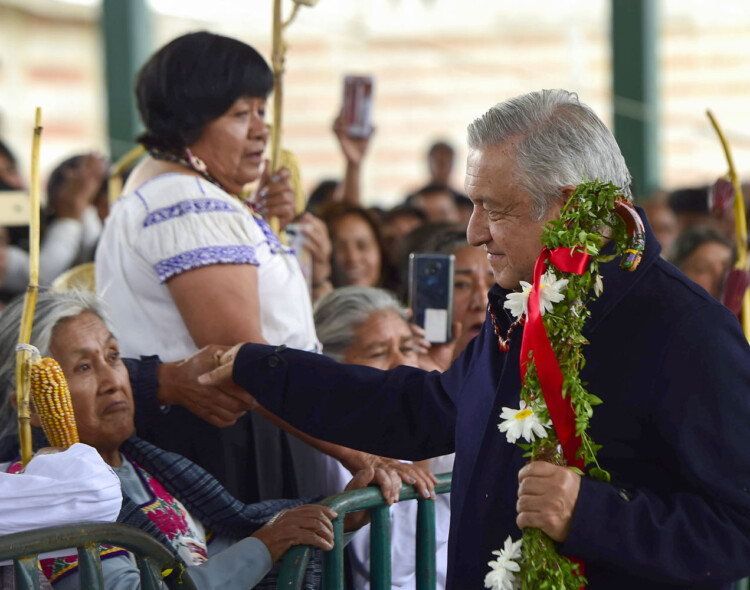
173 520
163 509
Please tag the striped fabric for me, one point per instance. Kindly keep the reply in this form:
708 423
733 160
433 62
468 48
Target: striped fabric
207 501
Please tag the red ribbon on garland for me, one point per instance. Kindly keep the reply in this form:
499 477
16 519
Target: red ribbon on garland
535 339
548 369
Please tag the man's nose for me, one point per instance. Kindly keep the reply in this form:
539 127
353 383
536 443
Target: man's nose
477 232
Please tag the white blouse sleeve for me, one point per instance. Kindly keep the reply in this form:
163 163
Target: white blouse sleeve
197 226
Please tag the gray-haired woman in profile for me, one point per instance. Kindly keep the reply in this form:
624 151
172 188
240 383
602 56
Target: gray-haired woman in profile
368 326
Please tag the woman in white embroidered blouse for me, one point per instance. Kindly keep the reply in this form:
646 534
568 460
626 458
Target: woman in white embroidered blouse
183 263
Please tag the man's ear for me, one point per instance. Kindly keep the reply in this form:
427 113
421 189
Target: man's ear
33 416
565 193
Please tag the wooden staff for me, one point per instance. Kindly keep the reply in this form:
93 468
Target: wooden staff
118 169
24 355
278 53
740 221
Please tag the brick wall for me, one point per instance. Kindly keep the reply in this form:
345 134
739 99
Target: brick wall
438 64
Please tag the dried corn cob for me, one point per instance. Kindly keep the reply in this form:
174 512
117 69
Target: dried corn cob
49 392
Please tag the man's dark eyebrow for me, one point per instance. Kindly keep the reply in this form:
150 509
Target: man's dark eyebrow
459 271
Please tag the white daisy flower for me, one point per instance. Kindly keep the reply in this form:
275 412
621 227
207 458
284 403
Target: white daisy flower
550 292
521 423
503 573
518 303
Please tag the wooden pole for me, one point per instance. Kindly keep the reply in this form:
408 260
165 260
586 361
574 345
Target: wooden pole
24 355
739 219
277 65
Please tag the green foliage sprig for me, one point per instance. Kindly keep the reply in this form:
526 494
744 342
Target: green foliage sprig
587 222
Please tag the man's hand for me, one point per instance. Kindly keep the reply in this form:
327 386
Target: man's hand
547 496
220 404
304 525
221 375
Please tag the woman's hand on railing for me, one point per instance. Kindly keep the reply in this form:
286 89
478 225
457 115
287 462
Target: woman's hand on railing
309 524
422 479
356 520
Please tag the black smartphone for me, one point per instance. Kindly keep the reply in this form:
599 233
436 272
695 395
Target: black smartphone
431 294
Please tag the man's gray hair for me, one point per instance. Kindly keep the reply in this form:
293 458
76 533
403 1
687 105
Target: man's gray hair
51 309
339 313
560 141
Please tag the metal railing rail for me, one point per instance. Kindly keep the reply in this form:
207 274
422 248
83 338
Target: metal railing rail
151 556
295 560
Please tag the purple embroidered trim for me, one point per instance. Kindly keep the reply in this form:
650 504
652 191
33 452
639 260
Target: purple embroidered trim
274 244
140 196
207 256
186 207
200 186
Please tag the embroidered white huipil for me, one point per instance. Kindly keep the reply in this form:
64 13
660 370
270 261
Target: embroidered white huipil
174 223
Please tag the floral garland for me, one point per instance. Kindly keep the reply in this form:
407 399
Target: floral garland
595 213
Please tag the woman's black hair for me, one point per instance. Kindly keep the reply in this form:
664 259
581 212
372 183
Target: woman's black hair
58 178
334 213
193 80
5 151
690 240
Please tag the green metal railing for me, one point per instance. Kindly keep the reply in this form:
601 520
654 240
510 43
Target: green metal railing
151 556
295 560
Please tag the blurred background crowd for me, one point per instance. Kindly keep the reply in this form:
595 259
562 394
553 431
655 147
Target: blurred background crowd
371 201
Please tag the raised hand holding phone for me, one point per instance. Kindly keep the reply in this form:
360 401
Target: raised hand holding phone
431 294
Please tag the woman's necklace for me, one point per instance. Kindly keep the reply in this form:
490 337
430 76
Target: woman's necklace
195 164
192 162
504 343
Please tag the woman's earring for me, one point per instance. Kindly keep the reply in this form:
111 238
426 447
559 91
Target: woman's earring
196 162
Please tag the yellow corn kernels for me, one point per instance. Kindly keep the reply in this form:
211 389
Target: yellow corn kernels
51 398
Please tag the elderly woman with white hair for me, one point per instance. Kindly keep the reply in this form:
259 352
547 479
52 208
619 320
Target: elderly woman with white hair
221 542
368 326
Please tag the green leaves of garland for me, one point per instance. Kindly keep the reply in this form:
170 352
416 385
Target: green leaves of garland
587 221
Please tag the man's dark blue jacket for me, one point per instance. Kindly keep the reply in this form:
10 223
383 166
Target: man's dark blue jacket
673 369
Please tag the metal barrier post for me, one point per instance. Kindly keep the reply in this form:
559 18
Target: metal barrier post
426 546
295 560
380 548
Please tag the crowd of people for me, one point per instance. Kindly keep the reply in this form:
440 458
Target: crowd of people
185 269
